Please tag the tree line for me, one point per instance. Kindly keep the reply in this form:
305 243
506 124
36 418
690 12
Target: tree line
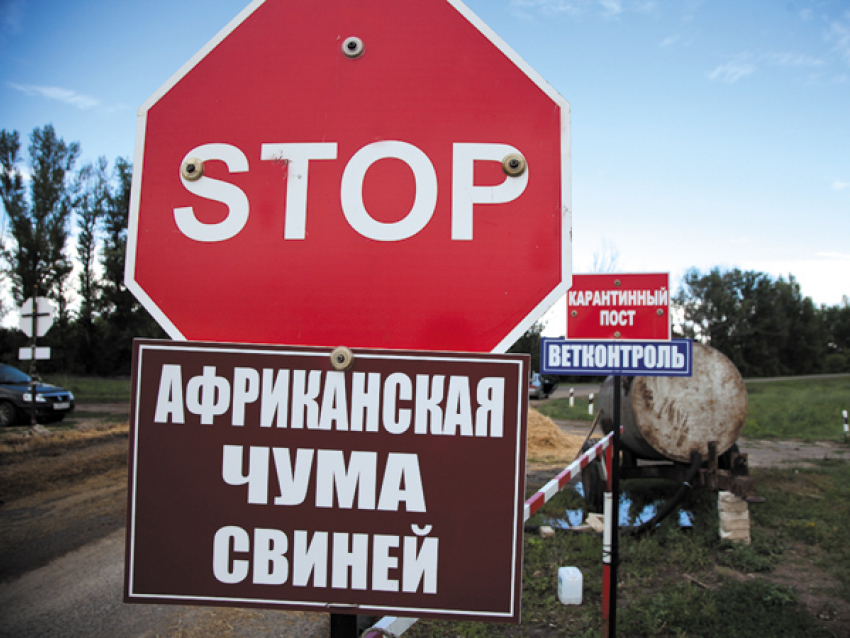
763 324
65 240
64 237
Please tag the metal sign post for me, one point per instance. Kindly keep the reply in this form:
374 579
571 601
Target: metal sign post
617 324
36 319
614 519
343 626
33 382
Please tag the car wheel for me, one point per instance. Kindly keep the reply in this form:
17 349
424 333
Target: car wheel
8 414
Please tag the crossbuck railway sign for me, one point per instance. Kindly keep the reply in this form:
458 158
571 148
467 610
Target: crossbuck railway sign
376 173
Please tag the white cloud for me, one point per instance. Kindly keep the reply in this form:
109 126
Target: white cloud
838 185
607 8
746 64
611 8
731 72
551 6
59 94
839 35
790 59
826 279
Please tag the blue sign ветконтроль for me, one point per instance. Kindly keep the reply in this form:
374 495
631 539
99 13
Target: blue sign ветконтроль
629 358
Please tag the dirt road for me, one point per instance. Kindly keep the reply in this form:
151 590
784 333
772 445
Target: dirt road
62 556
79 594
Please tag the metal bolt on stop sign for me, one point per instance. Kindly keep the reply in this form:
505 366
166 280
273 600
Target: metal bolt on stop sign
192 169
342 358
353 47
514 164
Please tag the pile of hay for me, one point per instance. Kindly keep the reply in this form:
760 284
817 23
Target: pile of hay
547 443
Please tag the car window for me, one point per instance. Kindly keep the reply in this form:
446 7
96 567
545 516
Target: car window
8 374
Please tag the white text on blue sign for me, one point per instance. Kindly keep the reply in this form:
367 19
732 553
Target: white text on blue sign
632 358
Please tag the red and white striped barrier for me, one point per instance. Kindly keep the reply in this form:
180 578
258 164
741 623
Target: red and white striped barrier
392 626
558 483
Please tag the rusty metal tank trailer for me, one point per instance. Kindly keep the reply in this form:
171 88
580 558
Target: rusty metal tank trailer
683 429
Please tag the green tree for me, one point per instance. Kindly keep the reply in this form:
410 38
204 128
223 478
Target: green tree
836 329
121 318
92 195
38 224
529 343
764 325
803 349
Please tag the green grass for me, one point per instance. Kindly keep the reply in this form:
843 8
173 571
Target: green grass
807 409
93 389
810 506
741 609
560 409
677 583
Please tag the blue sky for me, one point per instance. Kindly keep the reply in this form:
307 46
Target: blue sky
704 133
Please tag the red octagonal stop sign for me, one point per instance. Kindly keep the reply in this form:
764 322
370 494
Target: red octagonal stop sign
373 173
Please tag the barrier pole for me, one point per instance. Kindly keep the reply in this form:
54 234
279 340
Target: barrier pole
615 511
606 564
606 541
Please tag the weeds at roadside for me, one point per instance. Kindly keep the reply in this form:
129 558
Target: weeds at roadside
560 409
93 389
810 506
808 409
678 582
760 556
755 608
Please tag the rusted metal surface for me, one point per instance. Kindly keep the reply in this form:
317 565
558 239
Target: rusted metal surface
671 417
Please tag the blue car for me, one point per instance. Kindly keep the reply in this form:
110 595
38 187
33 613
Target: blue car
539 387
52 403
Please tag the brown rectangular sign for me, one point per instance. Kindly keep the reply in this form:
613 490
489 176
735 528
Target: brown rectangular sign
263 476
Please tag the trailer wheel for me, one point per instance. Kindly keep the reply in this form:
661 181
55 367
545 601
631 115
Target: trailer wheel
593 480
